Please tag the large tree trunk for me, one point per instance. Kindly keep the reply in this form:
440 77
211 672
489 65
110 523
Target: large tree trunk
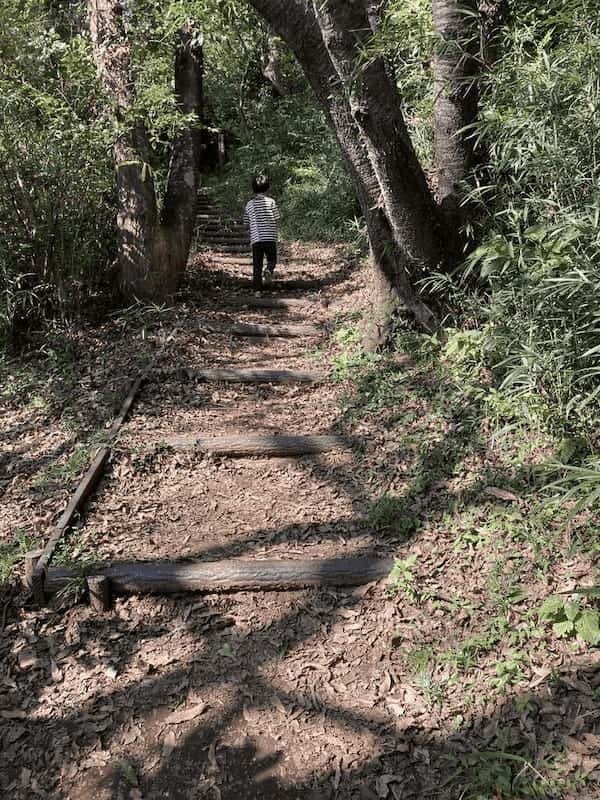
375 106
296 23
137 213
152 252
179 206
455 107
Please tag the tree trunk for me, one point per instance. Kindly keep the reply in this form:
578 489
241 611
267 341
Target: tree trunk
296 23
137 213
455 106
179 206
272 68
152 252
375 106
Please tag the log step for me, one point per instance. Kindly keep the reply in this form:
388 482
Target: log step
249 329
244 375
129 577
240 446
268 302
227 248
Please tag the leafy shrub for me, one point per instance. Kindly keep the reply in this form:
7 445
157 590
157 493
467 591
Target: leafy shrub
56 204
540 211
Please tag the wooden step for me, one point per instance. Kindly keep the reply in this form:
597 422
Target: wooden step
243 375
249 329
248 301
222 230
220 243
130 577
259 444
226 236
227 248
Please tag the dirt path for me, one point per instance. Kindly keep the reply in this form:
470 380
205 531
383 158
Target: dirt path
337 694
248 695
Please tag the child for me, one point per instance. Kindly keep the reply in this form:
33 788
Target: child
262 215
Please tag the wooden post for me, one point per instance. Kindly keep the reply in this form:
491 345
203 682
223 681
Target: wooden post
99 592
34 581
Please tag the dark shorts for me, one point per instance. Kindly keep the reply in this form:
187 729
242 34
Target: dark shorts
259 251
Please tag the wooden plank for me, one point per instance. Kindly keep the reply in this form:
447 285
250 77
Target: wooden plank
132 577
269 302
90 479
242 445
86 486
249 329
243 375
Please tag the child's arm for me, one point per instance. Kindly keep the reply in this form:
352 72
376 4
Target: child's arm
276 213
246 215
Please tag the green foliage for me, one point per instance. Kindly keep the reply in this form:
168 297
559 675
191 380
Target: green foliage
540 211
55 207
11 553
568 618
501 772
577 486
393 514
402 579
292 142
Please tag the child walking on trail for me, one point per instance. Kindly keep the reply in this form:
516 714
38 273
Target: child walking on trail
262 215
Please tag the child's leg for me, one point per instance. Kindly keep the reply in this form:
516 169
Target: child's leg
257 263
271 254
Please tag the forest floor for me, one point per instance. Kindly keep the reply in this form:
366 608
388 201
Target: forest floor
448 681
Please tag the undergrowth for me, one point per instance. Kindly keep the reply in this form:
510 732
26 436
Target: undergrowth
463 475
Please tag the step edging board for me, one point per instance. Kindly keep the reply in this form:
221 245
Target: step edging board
265 445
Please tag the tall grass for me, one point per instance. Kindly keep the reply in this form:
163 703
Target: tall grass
539 212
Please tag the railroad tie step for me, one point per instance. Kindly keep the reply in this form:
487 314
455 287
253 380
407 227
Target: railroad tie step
224 375
249 329
267 445
249 301
165 577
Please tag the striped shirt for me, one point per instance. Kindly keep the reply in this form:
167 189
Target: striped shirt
262 215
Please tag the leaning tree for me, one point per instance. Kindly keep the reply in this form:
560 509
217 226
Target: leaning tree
361 101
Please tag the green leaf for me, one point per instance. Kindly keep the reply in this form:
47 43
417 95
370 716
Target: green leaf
587 591
128 772
571 610
552 608
588 626
563 628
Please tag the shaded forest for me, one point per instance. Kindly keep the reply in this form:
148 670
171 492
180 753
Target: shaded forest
419 387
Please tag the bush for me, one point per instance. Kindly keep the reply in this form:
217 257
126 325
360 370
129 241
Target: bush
56 233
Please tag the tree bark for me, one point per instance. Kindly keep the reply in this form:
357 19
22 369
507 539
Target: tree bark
295 21
375 106
137 214
152 251
455 107
227 576
179 207
272 68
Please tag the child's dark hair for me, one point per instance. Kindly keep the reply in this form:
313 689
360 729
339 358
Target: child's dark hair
260 183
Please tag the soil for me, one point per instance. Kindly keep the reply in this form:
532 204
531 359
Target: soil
299 694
